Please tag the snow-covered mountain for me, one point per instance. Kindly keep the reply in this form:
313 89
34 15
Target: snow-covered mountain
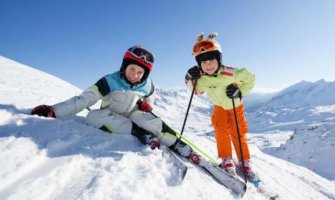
296 106
312 146
257 97
43 158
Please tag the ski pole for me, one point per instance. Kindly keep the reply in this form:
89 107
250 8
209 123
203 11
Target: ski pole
186 115
238 133
188 142
188 107
181 137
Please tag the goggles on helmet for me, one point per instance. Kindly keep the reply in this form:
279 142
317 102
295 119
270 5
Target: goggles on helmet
203 46
140 55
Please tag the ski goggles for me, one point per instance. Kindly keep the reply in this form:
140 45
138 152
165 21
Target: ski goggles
143 54
202 46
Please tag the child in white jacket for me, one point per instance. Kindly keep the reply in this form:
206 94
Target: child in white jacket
126 104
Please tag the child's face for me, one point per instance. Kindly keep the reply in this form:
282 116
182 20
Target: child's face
209 66
134 73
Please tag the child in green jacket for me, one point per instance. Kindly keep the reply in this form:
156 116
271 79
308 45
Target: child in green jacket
220 82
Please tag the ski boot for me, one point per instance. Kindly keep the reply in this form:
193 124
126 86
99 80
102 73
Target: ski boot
187 152
183 149
247 169
228 165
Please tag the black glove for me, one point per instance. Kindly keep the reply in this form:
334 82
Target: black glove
230 91
193 73
43 110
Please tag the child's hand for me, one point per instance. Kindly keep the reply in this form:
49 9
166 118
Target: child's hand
145 106
193 73
230 91
43 110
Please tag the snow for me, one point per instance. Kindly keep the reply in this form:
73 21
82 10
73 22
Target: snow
44 158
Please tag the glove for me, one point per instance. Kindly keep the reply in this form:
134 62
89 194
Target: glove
154 143
230 91
145 106
193 73
43 110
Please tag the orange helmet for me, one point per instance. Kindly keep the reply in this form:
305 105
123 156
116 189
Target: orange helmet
203 45
205 49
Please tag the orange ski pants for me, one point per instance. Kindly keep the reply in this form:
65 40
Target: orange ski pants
224 125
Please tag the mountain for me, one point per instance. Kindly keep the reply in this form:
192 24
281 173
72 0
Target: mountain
45 158
296 106
312 146
257 97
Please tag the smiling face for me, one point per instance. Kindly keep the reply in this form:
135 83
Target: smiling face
209 66
134 73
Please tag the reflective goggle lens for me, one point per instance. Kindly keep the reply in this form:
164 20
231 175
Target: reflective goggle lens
203 46
142 53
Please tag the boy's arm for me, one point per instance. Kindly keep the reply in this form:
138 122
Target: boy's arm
86 99
76 104
245 80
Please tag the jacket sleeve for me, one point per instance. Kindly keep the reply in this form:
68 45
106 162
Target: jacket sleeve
246 80
77 103
86 99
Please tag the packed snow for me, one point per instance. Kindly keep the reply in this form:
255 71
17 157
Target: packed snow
45 158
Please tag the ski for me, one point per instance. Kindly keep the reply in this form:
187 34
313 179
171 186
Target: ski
257 182
177 162
219 175
233 183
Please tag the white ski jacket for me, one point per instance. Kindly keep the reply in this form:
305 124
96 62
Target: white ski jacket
116 94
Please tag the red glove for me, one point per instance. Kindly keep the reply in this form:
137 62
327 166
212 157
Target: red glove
43 110
154 143
145 106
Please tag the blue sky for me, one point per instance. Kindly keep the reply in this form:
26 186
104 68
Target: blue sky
80 41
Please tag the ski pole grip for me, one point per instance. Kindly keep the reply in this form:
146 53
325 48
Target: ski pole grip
235 95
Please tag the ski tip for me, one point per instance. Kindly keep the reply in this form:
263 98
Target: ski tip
274 197
242 193
183 173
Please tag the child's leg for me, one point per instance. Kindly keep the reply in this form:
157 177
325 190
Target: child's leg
166 135
154 125
109 121
222 130
243 128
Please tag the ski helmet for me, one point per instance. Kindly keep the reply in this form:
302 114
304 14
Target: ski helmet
206 49
139 56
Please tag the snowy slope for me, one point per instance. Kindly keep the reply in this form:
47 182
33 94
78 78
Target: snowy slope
312 147
44 158
26 86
